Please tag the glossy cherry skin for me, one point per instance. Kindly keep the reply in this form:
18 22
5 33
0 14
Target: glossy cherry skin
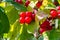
22 14
28 20
22 20
58 7
28 14
53 13
27 3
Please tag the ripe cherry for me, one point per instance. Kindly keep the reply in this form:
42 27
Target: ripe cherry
33 16
28 14
49 28
27 3
38 4
28 20
53 13
45 24
58 14
58 7
22 20
41 30
19 1
22 14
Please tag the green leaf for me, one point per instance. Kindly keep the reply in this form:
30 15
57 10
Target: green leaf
16 30
24 1
1 9
32 38
58 24
47 11
18 6
32 27
50 6
58 1
59 21
4 22
34 0
7 0
24 35
50 1
40 38
54 35
12 14
29 8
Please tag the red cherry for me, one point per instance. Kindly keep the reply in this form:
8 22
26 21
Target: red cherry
49 28
41 30
53 13
23 14
58 14
27 3
19 1
33 16
28 14
58 7
45 24
22 20
28 20
38 4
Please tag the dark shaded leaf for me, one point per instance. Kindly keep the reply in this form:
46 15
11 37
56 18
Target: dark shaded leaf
4 22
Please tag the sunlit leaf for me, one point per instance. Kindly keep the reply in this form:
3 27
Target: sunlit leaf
12 14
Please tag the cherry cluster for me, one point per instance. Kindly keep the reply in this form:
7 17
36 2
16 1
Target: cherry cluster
45 26
26 17
21 2
55 13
